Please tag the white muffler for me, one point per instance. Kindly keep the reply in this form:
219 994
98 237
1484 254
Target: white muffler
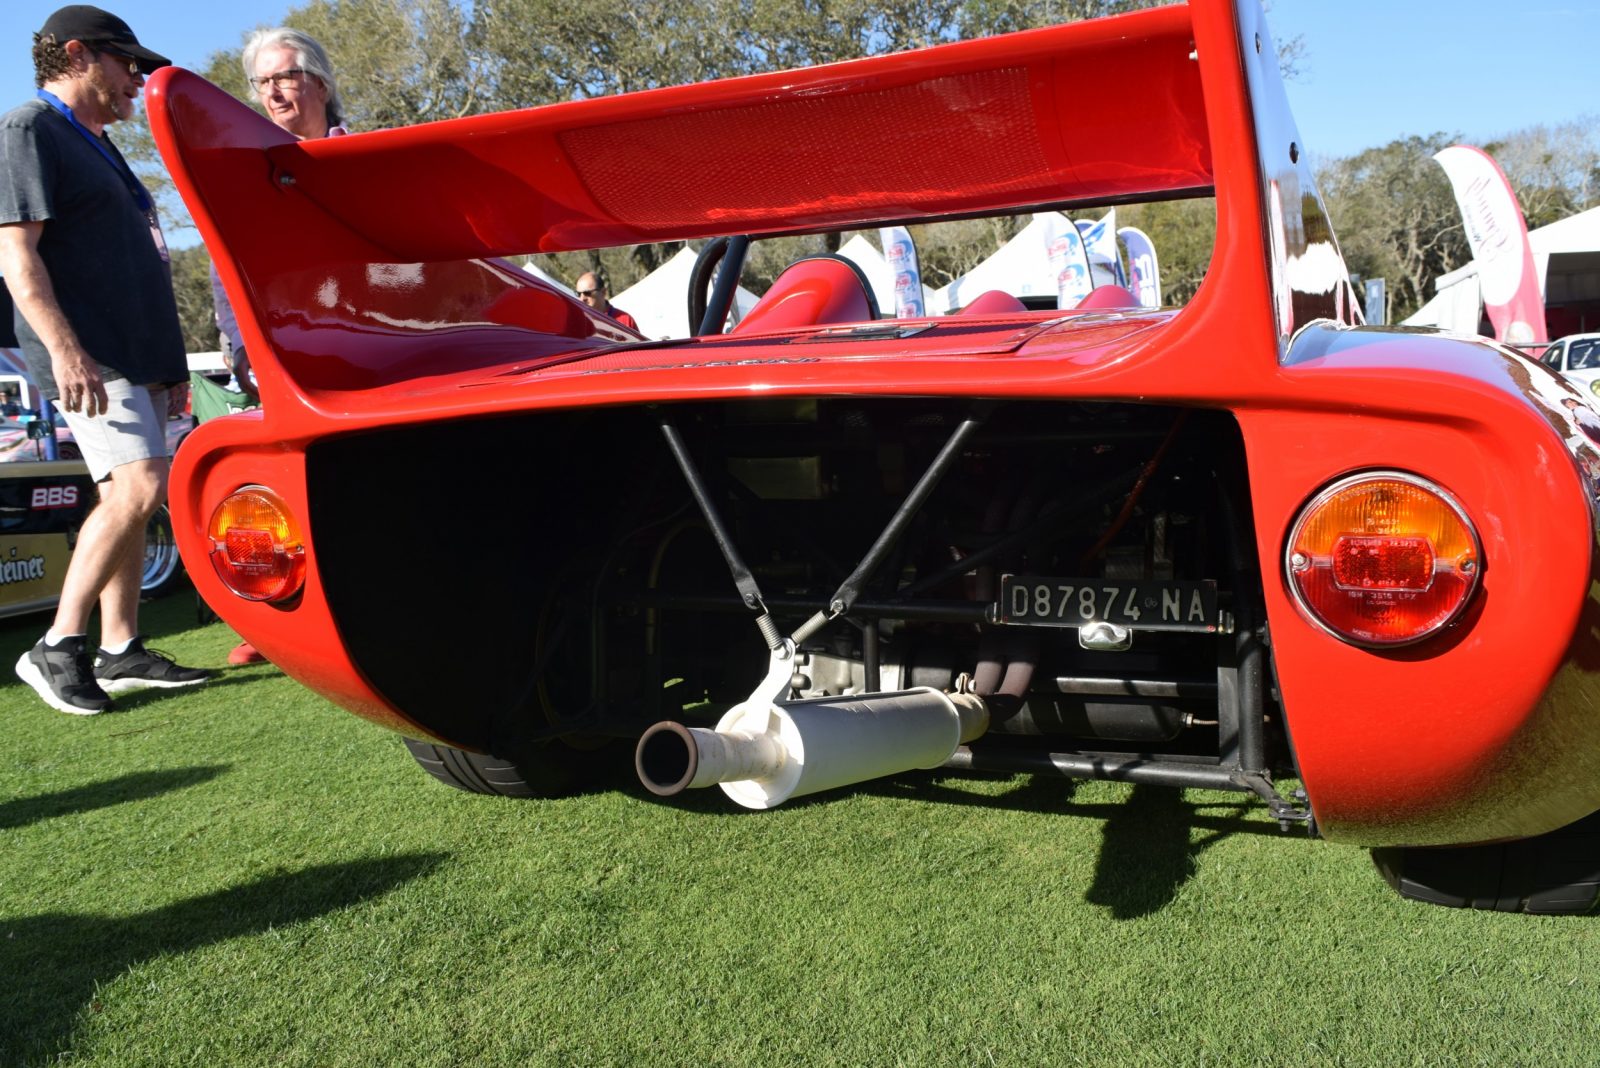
764 752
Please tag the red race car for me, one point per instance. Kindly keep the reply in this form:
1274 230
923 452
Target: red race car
1215 546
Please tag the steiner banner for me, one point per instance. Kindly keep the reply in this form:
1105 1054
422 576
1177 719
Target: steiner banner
1498 236
1144 273
901 254
1069 263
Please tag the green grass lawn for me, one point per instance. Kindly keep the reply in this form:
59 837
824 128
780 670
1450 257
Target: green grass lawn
245 875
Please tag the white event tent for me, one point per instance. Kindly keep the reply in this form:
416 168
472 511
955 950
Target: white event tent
545 276
1566 257
660 300
1021 267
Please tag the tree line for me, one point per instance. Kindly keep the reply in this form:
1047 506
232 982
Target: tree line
401 62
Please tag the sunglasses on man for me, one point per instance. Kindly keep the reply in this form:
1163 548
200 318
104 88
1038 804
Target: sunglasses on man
109 49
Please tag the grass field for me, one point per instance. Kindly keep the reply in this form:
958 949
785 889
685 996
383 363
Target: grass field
243 875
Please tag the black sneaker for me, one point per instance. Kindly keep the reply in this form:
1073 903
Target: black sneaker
136 668
61 676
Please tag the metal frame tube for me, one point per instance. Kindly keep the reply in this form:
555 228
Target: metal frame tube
843 598
1114 767
722 290
743 579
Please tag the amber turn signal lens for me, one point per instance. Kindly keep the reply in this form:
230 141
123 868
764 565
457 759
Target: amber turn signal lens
256 546
1383 558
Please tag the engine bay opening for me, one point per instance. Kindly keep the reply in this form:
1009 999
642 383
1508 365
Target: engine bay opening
1086 568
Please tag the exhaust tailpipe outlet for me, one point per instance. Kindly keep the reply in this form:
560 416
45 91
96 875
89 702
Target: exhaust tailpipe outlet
762 753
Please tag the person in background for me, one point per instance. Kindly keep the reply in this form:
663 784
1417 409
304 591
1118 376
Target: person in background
592 290
290 74
82 253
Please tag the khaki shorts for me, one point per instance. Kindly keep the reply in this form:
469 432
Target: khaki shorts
133 427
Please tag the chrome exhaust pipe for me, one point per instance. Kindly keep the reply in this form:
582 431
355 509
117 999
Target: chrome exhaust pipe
763 753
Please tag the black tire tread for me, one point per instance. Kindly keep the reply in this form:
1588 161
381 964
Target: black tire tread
541 773
476 773
1555 874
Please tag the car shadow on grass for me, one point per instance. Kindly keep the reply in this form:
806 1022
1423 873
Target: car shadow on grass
134 787
1148 849
1150 841
56 963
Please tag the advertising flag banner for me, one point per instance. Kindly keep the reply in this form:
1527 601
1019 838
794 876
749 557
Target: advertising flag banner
1144 273
1069 263
1100 242
1377 302
901 255
1498 236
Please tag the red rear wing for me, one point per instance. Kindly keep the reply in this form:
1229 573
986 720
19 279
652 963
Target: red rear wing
386 232
1093 111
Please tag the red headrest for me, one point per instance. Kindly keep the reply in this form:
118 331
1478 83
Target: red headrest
994 302
822 289
1108 297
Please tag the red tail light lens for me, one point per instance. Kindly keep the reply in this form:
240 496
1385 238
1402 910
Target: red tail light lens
1383 558
256 547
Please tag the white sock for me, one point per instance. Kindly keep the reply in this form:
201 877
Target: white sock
52 639
120 647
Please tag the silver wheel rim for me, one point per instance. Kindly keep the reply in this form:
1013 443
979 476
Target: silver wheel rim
161 559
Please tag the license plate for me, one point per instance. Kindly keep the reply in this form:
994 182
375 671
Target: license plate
1044 601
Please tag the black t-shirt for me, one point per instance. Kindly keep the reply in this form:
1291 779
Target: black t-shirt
111 282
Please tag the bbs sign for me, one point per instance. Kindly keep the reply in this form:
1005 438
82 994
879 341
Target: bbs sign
39 520
42 504
48 497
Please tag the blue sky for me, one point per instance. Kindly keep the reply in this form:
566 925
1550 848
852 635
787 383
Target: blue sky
185 31
1375 69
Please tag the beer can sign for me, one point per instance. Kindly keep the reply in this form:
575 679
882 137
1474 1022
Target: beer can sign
1068 265
901 255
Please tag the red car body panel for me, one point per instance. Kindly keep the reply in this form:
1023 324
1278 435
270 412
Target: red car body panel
358 270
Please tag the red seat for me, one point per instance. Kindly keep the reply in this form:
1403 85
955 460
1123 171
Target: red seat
994 302
1108 297
817 289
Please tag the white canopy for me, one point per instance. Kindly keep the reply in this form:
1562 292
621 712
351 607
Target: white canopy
1458 303
660 300
545 276
1021 267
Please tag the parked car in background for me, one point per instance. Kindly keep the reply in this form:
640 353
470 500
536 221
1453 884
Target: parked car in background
1218 546
15 444
1576 358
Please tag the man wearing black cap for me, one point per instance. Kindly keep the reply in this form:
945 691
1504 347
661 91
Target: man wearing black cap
81 251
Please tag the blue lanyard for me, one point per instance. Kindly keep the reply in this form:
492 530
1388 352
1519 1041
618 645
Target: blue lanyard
140 196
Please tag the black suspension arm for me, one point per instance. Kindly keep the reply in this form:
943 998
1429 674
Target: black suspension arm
743 579
839 604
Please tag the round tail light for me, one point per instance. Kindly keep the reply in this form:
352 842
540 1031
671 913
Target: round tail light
1383 558
256 546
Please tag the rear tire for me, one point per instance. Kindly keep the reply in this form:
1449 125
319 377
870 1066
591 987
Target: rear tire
1555 874
549 771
